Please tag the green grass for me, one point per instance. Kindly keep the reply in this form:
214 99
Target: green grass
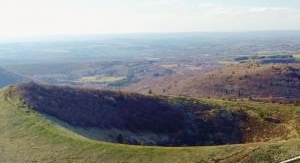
228 62
95 79
297 56
170 66
261 109
25 136
266 53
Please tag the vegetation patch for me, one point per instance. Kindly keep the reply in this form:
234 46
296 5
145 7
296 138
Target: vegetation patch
169 66
228 62
297 56
269 58
95 79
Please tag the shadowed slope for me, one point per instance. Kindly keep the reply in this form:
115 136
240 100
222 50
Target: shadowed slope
157 120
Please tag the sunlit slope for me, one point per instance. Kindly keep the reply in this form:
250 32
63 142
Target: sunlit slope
267 82
25 136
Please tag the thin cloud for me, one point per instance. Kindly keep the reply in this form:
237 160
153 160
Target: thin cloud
223 9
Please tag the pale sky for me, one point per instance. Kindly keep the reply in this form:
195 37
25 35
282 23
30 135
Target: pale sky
67 17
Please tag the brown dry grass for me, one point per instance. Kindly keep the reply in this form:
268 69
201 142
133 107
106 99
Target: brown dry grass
273 83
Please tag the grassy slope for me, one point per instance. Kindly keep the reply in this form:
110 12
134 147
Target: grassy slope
26 137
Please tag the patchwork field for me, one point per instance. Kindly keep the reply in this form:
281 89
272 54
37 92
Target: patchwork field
297 56
108 79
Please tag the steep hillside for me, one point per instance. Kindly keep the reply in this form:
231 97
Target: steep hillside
156 120
27 136
7 78
278 83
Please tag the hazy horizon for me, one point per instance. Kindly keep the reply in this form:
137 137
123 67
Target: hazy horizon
49 37
66 17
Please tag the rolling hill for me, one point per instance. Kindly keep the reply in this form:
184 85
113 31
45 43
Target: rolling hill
42 123
267 82
7 78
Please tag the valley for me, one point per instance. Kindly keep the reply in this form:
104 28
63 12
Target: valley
157 98
138 57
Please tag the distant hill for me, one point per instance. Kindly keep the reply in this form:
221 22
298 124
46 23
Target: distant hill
34 116
271 82
7 78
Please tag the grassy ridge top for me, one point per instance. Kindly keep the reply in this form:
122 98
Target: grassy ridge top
25 136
